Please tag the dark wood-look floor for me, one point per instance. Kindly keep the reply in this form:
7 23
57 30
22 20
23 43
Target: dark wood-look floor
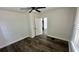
38 44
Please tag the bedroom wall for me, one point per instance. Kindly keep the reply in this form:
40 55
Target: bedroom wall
60 22
13 27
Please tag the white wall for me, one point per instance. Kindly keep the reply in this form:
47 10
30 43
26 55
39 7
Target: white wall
60 22
2 39
13 27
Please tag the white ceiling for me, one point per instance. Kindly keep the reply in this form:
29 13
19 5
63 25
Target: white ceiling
18 9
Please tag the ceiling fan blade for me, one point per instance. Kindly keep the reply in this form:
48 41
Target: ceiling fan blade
38 10
30 11
40 7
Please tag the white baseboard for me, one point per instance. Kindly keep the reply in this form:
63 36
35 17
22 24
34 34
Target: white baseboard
58 38
9 43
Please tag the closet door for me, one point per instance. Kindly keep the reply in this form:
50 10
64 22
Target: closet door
38 26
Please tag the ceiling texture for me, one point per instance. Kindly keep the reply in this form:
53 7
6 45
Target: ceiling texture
18 9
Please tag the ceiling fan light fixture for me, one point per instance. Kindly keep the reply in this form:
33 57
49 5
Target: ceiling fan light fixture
33 9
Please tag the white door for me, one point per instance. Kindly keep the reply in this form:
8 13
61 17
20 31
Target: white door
45 26
38 26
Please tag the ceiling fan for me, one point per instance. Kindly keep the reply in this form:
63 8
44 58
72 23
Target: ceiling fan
33 8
